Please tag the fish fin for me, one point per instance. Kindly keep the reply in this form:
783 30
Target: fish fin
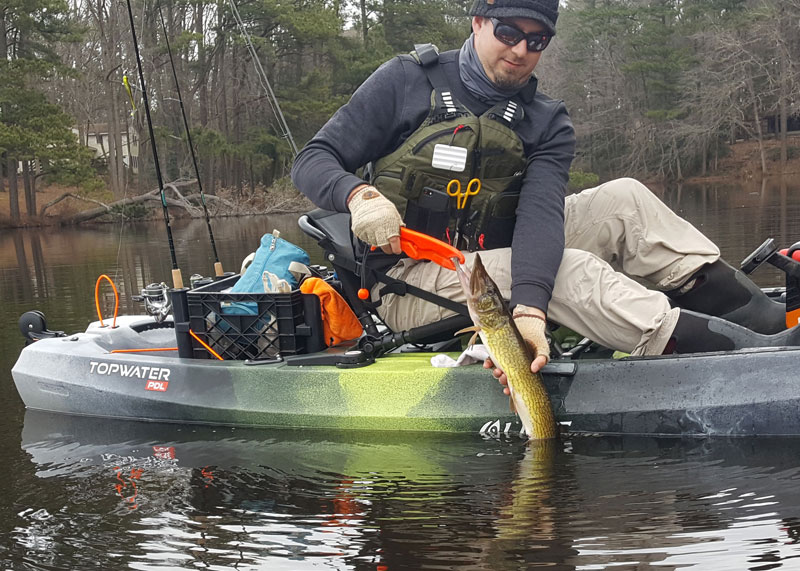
470 329
475 331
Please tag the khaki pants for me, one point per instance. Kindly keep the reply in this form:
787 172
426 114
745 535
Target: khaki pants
617 235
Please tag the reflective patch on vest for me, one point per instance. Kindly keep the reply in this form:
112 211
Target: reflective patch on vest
508 113
449 158
510 110
447 98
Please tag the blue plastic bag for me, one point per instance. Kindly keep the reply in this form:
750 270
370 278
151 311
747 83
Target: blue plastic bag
274 255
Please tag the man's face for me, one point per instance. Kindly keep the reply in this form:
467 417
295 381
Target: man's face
507 66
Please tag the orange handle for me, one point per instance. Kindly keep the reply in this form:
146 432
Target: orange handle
423 247
97 300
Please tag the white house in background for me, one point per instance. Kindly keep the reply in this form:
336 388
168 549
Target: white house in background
97 139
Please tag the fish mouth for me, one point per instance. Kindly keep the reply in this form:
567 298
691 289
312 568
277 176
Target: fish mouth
464 275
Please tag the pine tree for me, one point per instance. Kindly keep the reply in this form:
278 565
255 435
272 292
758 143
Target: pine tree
32 130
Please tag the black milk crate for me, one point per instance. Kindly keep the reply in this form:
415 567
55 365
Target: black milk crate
255 326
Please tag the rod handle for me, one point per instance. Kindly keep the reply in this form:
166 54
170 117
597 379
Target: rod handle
177 279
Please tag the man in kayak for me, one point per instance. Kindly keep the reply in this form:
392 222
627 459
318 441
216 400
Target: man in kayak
462 146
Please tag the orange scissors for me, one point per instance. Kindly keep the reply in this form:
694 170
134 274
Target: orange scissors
454 189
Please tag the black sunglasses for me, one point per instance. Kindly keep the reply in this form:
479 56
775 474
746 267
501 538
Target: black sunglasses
511 36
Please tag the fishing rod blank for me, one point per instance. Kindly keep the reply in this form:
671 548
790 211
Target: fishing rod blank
262 76
177 278
217 264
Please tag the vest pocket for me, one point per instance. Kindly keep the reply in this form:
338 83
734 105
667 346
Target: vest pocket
495 228
428 207
430 213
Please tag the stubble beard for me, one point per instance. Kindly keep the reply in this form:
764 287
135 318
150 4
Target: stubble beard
509 78
508 81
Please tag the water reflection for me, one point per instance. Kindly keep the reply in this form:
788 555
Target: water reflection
740 216
232 498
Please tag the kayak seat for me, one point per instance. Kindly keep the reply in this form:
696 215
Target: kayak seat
347 257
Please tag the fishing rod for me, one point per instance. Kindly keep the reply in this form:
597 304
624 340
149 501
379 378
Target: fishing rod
262 76
177 278
217 264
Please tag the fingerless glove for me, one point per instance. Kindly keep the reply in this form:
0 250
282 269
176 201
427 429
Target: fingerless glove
373 217
532 328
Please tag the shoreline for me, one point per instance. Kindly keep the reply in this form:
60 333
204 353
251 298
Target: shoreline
276 200
741 165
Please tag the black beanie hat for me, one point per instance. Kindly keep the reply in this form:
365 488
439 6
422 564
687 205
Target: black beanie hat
545 11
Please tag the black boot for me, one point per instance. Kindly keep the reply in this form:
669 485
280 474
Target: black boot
719 289
697 333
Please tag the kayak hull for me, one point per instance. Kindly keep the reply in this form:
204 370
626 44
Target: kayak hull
738 393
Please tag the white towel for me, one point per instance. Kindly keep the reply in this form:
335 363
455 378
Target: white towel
472 355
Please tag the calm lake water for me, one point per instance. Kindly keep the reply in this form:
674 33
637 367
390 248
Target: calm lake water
101 494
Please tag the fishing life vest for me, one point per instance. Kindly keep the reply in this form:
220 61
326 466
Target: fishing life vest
455 144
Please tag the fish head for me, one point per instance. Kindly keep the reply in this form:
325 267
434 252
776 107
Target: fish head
486 306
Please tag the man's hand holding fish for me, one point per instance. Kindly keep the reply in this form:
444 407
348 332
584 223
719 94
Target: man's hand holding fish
531 323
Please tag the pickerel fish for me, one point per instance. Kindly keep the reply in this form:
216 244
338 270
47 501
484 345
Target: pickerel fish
508 350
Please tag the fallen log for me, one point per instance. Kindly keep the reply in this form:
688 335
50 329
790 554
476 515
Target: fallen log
191 203
153 195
